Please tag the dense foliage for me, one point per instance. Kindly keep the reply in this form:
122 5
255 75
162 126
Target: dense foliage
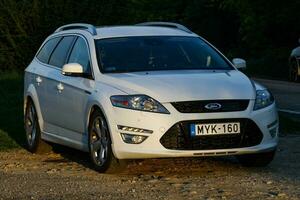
263 32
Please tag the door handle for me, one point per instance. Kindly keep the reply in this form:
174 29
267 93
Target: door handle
38 80
60 87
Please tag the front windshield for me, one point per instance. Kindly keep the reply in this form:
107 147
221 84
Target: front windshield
152 53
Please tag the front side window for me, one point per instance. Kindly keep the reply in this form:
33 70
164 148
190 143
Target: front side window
152 53
80 55
47 49
60 53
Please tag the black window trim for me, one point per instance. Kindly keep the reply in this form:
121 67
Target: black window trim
76 35
43 45
54 49
85 75
71 49
68 51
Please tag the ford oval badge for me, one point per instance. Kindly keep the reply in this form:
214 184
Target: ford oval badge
213 106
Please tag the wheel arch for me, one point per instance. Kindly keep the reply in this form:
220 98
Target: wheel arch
31 94
96 105
91 108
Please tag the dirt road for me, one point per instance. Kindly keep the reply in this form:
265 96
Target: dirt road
66 174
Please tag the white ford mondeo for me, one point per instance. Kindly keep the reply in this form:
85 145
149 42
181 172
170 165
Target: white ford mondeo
149 90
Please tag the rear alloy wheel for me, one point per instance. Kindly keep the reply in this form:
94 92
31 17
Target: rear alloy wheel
293 71
256 160
100 146
33 131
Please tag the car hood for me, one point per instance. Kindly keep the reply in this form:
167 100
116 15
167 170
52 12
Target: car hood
189 85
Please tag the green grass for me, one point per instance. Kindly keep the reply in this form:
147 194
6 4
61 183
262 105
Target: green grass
11 113
11 110
6 142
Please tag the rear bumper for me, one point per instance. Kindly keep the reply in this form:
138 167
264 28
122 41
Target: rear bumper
266 120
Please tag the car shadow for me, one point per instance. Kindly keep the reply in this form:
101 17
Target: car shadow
161 167
70 154
166 168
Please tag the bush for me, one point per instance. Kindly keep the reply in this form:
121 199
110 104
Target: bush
261 31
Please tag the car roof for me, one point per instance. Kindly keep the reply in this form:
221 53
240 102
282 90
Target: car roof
125 31
142 29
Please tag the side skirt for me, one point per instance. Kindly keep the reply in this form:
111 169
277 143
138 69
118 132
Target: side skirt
80 145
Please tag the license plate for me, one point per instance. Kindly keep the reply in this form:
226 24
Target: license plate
215 129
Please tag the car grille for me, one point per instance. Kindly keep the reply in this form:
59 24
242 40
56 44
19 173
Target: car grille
178 136
199 106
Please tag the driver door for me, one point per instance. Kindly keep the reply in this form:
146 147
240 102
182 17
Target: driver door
73 97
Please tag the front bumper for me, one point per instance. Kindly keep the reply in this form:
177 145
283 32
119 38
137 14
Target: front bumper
265 119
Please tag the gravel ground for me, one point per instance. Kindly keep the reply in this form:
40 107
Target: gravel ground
66 174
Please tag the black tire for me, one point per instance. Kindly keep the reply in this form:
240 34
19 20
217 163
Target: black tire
100 150
256 160
293 71
34 143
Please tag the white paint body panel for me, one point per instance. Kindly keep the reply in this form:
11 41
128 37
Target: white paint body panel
185 85
63 115
127 31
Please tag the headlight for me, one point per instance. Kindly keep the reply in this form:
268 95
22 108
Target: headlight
263 99
138 102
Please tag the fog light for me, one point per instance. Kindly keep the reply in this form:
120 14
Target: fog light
133 139
133 129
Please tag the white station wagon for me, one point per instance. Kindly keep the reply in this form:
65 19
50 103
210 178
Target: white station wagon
149 90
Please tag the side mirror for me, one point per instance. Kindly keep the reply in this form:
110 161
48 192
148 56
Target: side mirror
239 63
72 69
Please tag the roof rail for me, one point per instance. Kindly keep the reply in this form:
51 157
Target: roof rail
166 24
88 27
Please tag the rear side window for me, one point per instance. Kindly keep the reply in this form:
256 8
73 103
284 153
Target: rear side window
46 50
80 55
60 53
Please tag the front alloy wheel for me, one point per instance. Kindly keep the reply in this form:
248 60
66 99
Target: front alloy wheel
100 145
99 141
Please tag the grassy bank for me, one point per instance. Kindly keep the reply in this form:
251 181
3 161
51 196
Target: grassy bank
11 113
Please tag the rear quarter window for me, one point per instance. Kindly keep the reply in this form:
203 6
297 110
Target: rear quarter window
45 52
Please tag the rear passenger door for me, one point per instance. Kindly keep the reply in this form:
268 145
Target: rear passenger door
52 117
41 79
